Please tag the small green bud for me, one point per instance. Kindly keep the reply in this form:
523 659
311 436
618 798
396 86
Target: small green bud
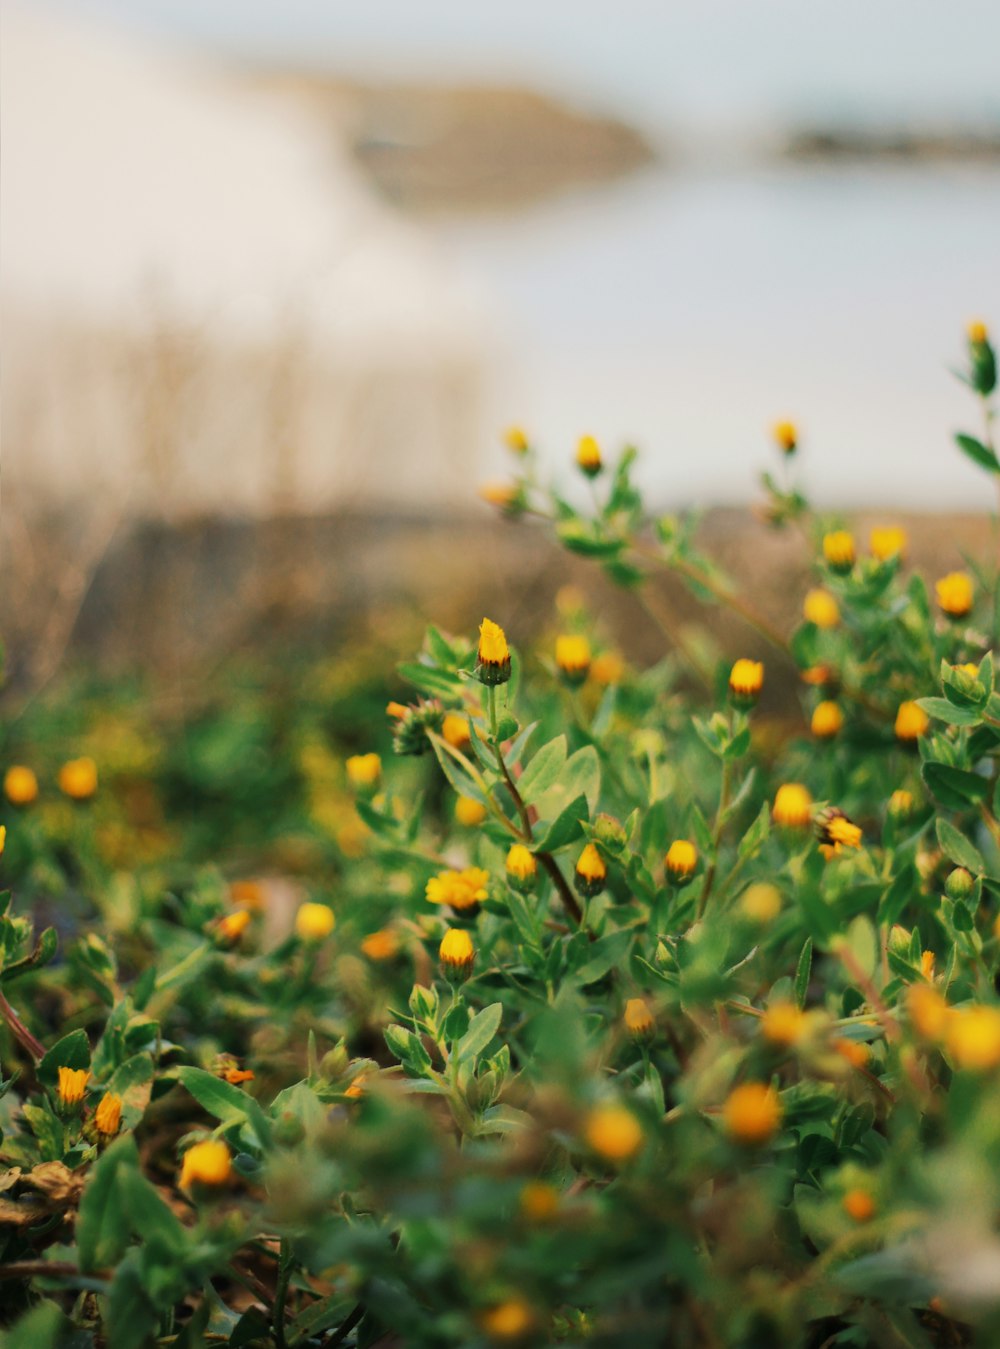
959 884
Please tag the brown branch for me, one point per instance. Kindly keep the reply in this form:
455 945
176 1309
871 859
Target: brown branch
34 1047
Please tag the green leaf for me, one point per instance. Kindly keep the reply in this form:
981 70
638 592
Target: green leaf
604 955
72 1051
431 681
564 828
131 1315
482 1028
978 452
102 1229
544 768
802 972
955 788
224 1100
943 710
754 838
957 847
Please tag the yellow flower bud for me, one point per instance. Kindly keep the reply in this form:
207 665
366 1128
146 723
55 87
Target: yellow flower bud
539 1201
516 440
381 945
977 332
313 922
508 1321
927 1010
455 730
493 662
573 658
638 1019
233 925
901 804
456 953
746 679
955 593
20 785
608 668
506 496
751 1114
613 1133
887 541
3 838
958 883
521 868
911 721
827 720
761 902
588 456
109 1113
364 771
78 779
469 811
820 608
972 1036
786 436
72 1083
859 1205
839 550
854 1051
591 874
783 1023
792 806
207 1163
681 860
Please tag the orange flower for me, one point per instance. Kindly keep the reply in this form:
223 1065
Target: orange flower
911 721
78 779
72 1084
207 1163
955 593
752 1114
109 1113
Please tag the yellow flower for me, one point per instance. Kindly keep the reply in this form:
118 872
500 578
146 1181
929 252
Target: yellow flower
955 593
613 1132
792 806
237 1076
313 922
207 1163
854 1051
977 332
395 710
681 860
539 1201
751 1114
109 1113
510 1320
972 1035
516 439
783 1023
638 1018
248 895
901 804
455 730
233 925
608 668
819 676
911 721
590 874
461 890
573 658
469 811
859 1205
20 785
456 952
521 868
3 838
506 496
761 902
364 771
786 436
827 720
493 660
72 1083
588 456
927 1010
887 541
839 550
837 832
381 945
927 965
78 779
746 679
819 607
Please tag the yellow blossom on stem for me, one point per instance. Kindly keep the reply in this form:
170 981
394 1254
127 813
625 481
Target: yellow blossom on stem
613 1132
839 550
901 804
508 1321
469 811
681 860
20 785
783 1023
977 332
911 721
955 593
761 902
638 1019
607 668
588 456
516 439
827 720
209 1163
751 1114
590 874
72 1083
456 953
928 1011
364 771
746 679
493 657
836 830
521 868
786 436
573 658
455 730
237 1076
78 779
793 806
380 945
462 890
314 921
233 925
972 1037
859 1205
887 541
855 1052
109 1113
820 608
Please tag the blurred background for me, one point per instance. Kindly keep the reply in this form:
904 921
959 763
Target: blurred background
275 277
